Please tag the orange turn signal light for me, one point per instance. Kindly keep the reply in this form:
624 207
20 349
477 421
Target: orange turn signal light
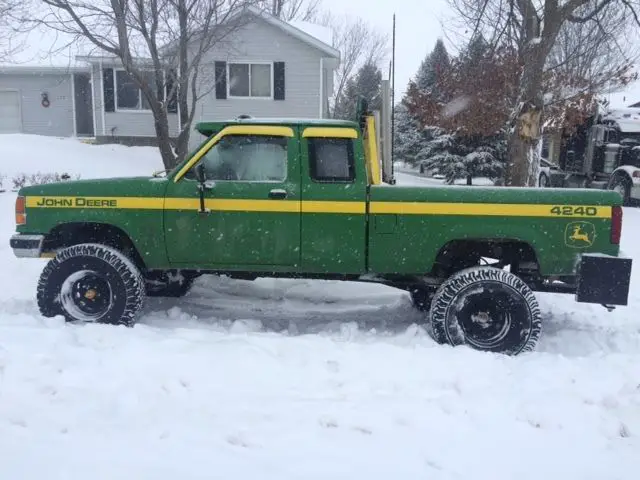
21 214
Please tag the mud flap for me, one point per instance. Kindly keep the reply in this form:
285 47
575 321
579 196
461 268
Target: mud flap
603 279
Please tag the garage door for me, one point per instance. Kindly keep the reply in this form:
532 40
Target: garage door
9 112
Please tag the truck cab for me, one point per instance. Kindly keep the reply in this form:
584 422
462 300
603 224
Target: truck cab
248 174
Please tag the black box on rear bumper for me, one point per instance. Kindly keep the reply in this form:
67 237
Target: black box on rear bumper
603 279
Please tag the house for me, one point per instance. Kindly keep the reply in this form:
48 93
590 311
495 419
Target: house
268 68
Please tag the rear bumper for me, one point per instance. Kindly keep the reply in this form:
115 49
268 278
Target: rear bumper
603 279
26 246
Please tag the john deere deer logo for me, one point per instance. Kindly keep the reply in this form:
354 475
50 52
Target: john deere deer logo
580 234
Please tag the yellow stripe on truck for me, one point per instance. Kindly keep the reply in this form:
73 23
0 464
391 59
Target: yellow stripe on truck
137 203
226 205
318 206
330 132
490 209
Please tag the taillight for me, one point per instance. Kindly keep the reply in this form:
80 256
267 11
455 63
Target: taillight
616 225
21 215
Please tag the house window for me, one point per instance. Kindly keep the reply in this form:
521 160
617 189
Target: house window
128 95
331 159
250 80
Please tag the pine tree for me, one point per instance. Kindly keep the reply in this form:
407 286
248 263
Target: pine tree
409 135
366 83
455 156
432 70
408 139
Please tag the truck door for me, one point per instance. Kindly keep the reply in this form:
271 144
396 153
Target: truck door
334 189
252 198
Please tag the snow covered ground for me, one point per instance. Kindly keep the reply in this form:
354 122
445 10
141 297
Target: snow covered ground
288 379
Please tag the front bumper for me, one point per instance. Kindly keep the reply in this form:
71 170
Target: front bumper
603 279
26 246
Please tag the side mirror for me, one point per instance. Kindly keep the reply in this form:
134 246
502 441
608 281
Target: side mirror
200 173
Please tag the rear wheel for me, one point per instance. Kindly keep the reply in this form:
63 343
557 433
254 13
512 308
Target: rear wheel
91 283
622 185
487 309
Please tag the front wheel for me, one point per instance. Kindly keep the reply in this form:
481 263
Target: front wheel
91 283
487 309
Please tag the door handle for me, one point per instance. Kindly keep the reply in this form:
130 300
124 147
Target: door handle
278 193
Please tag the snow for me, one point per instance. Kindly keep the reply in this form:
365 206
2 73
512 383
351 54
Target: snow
284 379
31 154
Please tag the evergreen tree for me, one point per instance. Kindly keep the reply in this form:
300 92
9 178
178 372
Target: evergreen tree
455 156
407 135
432 70
366 83
410 137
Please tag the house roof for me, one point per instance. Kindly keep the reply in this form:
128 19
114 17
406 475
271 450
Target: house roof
317 36
44 50
313 34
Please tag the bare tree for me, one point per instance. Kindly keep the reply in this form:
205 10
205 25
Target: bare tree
533 27
161 45
595 51
588 59
9 43
287 10
358 44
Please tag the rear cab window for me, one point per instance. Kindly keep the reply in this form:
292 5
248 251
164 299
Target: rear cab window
331 160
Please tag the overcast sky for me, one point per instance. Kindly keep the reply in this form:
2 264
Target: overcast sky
418 26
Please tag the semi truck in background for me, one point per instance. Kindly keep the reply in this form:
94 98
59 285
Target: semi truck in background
603 153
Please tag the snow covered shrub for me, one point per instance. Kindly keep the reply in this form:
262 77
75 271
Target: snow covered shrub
39 178
19 181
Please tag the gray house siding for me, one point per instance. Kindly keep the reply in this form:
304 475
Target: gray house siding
261 42
55 120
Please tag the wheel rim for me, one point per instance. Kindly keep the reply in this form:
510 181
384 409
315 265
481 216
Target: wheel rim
86 295
488 314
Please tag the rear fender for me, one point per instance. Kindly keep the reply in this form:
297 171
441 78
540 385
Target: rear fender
632 173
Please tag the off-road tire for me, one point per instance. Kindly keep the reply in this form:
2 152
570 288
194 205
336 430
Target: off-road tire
451 317
116 272
625 183
161 285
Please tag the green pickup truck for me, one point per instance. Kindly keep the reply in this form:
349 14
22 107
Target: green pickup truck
304 198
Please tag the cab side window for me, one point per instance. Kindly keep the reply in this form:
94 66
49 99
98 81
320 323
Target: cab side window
248 158
331 160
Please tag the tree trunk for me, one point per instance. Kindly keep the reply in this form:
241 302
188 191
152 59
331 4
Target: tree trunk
469 180
161 122
524 131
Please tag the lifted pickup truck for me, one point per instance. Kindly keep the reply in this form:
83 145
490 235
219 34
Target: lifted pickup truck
304 198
